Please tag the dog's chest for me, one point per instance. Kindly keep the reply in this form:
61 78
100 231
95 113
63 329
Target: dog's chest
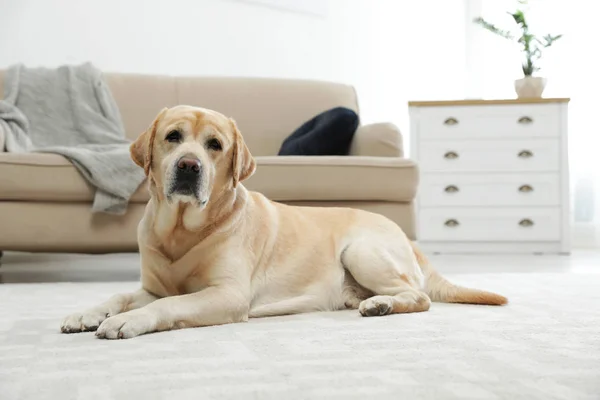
178 244
175 280
184 267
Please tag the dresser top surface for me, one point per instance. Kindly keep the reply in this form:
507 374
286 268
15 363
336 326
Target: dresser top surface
484 102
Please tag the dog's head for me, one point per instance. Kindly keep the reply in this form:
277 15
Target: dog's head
191 153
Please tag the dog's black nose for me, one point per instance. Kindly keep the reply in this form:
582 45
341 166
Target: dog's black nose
189 165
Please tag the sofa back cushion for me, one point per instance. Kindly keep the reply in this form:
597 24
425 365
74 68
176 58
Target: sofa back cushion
266 110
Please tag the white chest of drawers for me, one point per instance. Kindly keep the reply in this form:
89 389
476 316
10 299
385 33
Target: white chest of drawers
494 175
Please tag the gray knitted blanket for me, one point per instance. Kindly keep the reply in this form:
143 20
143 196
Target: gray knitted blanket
70 111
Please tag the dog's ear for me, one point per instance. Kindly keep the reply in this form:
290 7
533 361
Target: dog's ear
141 149
243 164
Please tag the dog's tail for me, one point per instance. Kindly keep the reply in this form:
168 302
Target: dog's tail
441 290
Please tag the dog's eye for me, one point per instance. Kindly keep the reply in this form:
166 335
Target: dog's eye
214 144
174 136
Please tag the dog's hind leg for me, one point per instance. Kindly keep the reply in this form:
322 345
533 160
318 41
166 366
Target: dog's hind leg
389 271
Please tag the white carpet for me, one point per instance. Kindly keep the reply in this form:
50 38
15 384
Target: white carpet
544 345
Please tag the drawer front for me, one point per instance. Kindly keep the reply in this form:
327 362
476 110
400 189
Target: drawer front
495 121
490 224
490 156
440 190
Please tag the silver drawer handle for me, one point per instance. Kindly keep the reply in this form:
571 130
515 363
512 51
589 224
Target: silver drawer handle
526 222
525 154
450 121
525 188
525 120
451 189
451 155
451 223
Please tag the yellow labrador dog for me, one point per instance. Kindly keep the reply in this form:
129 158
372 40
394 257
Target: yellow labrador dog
213 252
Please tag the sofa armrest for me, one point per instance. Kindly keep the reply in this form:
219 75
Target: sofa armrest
377 140
335 178
2 139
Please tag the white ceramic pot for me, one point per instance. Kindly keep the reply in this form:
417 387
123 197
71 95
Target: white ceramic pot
530 87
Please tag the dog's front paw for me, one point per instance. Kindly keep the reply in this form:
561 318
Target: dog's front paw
127 325
83 322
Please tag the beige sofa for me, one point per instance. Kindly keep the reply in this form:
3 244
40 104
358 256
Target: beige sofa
45 204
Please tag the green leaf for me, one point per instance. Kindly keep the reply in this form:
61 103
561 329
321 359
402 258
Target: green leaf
519 18
526 38
493 28
549 39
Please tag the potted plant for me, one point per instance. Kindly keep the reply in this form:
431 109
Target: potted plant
531 45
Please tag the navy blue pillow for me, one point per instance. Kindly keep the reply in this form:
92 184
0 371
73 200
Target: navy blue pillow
328 134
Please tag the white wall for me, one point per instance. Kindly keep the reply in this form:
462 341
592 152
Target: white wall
400 50
215 37
391 50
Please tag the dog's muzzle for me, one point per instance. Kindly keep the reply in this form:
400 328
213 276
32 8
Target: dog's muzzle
188 172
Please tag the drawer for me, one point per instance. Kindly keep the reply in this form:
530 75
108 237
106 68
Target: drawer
489 190
481 224
490 155
493 121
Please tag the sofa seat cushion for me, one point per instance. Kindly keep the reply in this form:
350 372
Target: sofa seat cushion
46 177
50 177
335 178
